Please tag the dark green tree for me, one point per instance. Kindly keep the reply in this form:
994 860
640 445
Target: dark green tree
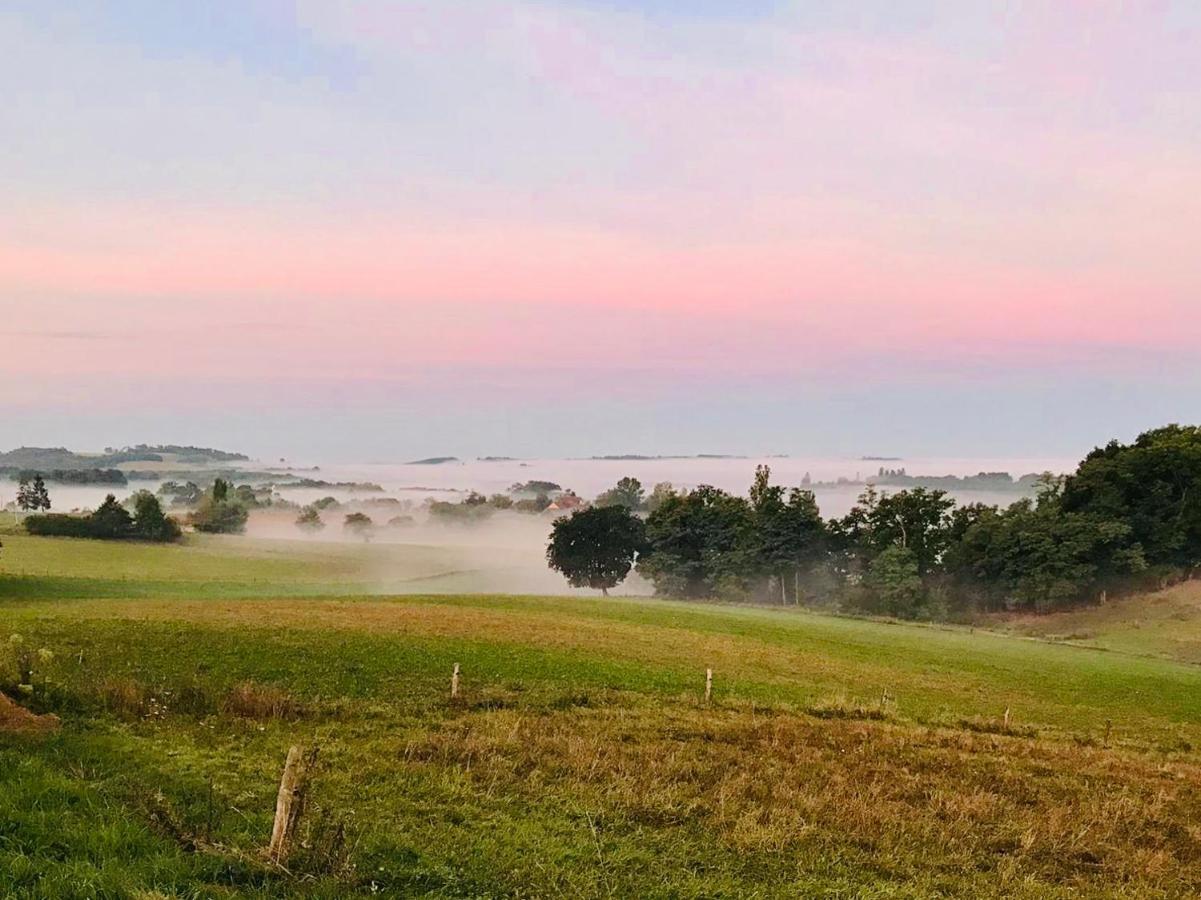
1153 486
893 586
918 520
698 544
32 494
1036 557
787 534
150 522
111 521
596 547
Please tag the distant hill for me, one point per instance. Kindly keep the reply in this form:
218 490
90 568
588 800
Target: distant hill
50 459
433 461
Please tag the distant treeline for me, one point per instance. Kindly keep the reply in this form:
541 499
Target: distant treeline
49 459
185 453
984 481
352 486
70 476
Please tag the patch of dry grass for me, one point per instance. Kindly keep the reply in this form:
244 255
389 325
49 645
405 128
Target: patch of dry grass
251 700
908 803
1163 624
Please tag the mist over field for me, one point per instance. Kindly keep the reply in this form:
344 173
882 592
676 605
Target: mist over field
506 552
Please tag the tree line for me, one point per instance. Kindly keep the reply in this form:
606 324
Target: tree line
1129 517
219 510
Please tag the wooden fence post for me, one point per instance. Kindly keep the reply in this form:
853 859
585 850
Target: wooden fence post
289 804
454 683
708 685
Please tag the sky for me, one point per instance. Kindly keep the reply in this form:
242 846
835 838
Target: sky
378 230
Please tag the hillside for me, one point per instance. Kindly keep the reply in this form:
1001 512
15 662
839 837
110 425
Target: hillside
1165 623
838 756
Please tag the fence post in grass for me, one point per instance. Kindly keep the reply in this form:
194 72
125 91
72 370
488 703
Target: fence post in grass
454 683
289 804
708 685
1108 731
1007 717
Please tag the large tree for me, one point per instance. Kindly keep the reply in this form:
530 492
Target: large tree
787 534
1153 486
111 520
917 520
596 547
699 544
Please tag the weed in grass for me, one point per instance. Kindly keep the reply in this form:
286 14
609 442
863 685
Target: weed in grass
251 700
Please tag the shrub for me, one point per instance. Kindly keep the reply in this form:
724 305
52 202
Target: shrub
111 522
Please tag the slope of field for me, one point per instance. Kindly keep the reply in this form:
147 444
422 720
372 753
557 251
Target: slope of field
1165 624
838 757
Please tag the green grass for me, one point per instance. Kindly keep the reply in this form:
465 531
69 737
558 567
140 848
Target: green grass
580 759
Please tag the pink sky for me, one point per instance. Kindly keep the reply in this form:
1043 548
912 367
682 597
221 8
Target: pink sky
565 193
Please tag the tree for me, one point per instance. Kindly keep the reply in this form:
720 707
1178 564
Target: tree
187 494
918 520
894 585
596 547
150 522
32 495
1037 557
697 544
310 520
660 492
788 534
111 520
628 492
358 524
1152 485
217 513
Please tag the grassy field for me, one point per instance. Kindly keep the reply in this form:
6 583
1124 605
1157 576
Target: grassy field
838 757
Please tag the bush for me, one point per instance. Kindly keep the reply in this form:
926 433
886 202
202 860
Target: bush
218 513
111 522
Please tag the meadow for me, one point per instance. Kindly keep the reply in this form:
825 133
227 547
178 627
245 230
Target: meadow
837 757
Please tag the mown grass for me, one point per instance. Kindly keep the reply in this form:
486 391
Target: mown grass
838 758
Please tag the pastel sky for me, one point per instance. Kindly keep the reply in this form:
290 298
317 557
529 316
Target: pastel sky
373 230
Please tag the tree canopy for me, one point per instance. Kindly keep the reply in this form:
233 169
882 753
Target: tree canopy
596 547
